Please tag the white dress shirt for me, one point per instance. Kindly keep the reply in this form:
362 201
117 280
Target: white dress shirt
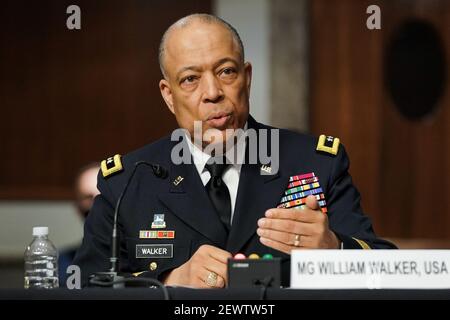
232 172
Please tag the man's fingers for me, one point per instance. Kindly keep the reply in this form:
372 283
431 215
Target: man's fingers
283 237
221 256
217 267
276 245
288 214
289 239
306 214
284 225
211 278
208 267
312 202
293 240
215 253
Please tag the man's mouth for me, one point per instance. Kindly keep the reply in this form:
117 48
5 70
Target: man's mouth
219 120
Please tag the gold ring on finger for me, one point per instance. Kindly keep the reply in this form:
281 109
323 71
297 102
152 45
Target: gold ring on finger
297 240
211 279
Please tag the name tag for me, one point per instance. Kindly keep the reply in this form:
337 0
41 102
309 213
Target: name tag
370 269
154 251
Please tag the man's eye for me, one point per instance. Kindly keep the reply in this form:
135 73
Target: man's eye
228 71
189 79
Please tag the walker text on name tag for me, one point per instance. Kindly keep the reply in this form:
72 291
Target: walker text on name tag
154 251
372 269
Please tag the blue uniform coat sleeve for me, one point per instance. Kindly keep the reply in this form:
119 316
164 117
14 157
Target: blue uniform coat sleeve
95 251
346 217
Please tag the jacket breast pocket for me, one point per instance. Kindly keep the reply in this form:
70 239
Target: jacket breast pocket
157 255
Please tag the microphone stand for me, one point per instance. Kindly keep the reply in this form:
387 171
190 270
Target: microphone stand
111 277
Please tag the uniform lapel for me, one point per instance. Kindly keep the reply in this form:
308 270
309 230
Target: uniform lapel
256 194
188 200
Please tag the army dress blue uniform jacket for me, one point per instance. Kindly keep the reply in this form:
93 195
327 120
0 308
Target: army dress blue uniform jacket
189 213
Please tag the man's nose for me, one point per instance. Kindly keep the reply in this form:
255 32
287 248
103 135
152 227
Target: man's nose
212 89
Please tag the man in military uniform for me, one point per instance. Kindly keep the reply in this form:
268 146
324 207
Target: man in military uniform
181 229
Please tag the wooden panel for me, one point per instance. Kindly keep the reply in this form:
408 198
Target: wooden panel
401 167
71 97
346 86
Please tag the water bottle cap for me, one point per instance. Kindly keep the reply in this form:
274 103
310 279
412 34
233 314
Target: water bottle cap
40 231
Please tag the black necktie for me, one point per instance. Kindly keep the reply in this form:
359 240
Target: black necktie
218 192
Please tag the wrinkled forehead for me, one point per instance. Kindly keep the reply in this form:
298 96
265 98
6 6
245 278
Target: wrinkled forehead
199 44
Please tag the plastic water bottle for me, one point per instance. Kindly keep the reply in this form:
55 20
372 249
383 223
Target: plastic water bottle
41 261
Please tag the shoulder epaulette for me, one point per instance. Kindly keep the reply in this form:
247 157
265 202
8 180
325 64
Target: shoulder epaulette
363 244
328 144
111 165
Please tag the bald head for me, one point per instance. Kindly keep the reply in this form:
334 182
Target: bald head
196 19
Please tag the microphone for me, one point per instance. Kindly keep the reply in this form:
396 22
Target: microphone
111 275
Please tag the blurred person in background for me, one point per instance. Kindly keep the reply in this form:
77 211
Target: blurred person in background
85 190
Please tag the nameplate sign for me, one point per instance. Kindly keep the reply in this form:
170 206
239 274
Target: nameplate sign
370 269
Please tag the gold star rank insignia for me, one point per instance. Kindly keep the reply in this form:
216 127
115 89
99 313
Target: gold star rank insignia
111 165
328 144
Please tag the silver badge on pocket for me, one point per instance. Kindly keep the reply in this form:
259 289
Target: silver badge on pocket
158 221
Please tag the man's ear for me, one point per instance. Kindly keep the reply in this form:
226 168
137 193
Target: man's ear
166 93
248 75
